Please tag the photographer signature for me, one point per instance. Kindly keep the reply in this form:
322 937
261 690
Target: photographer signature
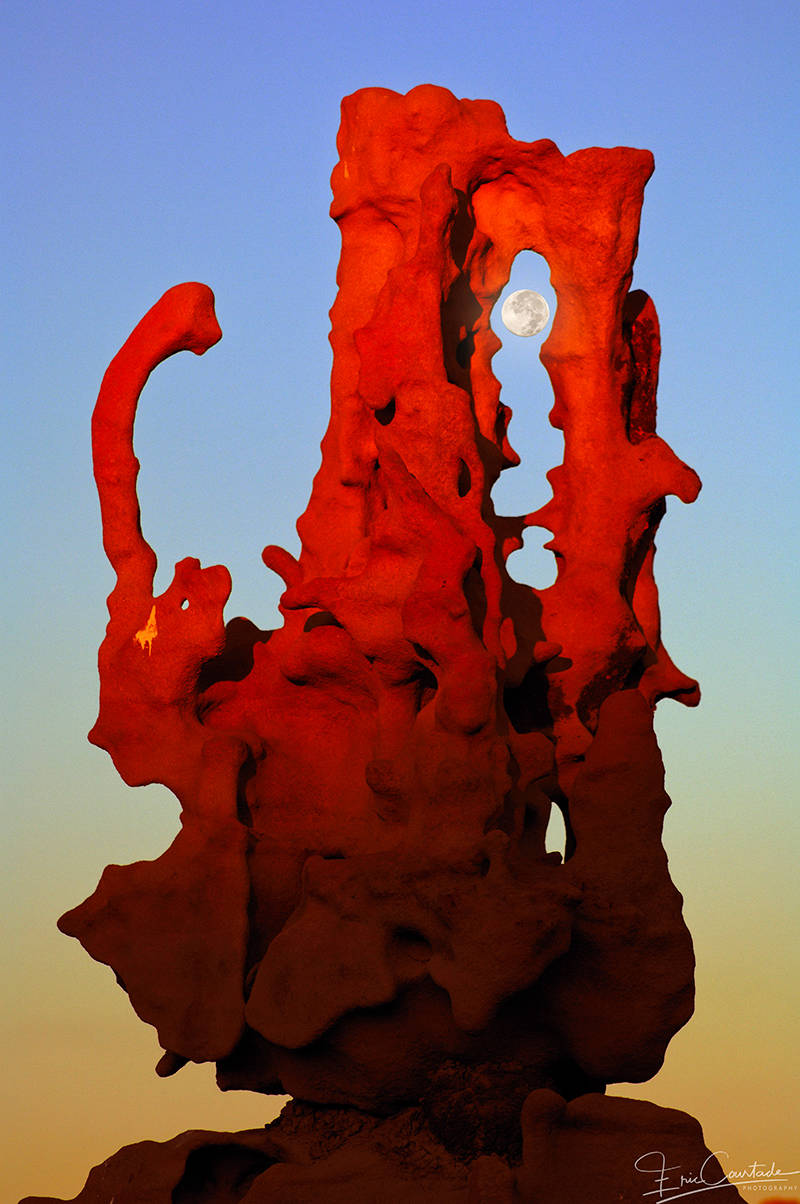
671 1183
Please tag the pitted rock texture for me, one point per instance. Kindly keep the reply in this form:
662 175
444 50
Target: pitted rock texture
576 1152
360 893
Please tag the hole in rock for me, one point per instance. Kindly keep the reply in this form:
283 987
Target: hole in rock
427 685
464 483
246 775
386 413
526 704
464 349
459 313
555 838
185 604
413 944
221 1173
321 618
423 652
475 593
526 389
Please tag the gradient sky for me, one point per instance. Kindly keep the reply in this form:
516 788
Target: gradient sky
145 144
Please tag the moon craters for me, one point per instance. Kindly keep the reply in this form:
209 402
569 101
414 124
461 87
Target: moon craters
525 313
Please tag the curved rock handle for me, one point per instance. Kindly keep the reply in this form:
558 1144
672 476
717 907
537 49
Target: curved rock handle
182 320
154 647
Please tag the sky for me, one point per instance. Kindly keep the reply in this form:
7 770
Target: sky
150 143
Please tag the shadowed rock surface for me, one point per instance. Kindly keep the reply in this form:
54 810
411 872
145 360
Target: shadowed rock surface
575 1152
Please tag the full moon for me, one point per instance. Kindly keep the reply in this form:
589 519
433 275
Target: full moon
525 313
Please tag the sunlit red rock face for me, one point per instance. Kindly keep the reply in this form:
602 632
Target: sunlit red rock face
359 909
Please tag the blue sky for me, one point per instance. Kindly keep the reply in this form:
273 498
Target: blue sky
153 143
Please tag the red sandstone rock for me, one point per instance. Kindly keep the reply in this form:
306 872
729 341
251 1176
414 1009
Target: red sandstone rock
166 1172
598 1149
610 1149
360 892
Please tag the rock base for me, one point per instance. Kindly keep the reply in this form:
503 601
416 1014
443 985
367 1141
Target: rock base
595 1148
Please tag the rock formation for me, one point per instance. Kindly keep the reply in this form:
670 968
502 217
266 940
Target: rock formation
359 909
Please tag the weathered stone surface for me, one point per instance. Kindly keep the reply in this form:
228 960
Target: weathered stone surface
607 1149
360 896
195 1166
586 1150
175 931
